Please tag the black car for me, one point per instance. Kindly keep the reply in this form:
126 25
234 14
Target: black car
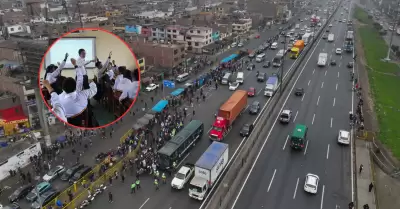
20 193
327 30
299 92
254 108
350 64
333 62
251 66
13 205
325 36
261 77
246 130
79 174
71 171
267 64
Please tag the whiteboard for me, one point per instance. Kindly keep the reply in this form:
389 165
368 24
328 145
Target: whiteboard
72 46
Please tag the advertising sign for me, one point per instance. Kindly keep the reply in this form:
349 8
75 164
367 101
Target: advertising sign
133 29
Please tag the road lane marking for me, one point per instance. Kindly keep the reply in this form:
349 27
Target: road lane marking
326 72
303 97
259 91
322 85
144 203
322 198
340 64
266 139
305 150
284 146
295 116
318 100
336 86
295 190
313 118
331 122
309 81
334 102
313 71
327 152
272 179
338 74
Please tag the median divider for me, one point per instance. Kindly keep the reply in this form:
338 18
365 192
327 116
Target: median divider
236 174
81 186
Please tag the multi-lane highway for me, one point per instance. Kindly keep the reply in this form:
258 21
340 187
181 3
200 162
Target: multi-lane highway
147 197
276 179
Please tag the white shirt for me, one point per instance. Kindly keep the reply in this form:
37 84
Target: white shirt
129 89
58 109
81 63
110 73
103 69
74 103
52 77
117 81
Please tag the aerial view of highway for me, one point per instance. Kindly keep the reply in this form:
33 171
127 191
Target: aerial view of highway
287 85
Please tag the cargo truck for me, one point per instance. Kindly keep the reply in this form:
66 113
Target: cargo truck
227 115
297 49
322 59
207 169
271 86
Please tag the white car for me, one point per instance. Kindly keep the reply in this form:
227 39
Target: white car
311 183
319 24
152 87
240 44
338 51
233 86
234 44
344 137
330 25
54 173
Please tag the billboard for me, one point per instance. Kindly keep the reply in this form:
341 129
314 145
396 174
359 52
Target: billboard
133 29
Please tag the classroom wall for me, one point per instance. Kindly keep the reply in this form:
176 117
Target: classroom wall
105 43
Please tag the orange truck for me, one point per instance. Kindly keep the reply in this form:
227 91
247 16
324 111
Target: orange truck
227 114
297 49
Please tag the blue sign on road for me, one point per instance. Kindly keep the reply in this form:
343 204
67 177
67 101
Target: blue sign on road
168 84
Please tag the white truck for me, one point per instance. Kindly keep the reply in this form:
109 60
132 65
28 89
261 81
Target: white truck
271 86
322 59
307 38
207 169
277 61
183 175
331 37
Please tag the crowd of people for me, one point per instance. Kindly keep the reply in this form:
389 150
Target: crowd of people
70 98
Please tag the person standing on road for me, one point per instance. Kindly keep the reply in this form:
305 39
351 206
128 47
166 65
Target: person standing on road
156 183
122 178
133 187
110 197
370 187
361 168
164 178
137 183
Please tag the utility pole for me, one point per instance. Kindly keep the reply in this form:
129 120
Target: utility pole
78 4
394 25
64 4
283 62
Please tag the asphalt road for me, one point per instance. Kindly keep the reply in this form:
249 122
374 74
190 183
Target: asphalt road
168 198
277 178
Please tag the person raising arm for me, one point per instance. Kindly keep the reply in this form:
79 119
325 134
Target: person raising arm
57 108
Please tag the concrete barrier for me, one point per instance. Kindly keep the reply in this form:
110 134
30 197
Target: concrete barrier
237 172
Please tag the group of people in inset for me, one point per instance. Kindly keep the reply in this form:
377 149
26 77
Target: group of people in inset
115 87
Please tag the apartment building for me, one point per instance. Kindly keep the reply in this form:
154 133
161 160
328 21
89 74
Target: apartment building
197 38
160 55
242 25
158 33
175 34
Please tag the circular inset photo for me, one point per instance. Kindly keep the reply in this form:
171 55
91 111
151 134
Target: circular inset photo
89 78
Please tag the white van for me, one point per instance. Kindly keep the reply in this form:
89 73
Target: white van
331 37
182 77
274 45
260 57
240 77
227 77
297 26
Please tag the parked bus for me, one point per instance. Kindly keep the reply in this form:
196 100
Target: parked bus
179 146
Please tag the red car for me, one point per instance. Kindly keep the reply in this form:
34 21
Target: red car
251 92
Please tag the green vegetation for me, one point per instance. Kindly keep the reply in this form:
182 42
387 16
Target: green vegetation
384 79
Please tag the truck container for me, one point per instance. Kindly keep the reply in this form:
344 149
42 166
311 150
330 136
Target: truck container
227 114
271 86
297 49
349 35
322 59
207 169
